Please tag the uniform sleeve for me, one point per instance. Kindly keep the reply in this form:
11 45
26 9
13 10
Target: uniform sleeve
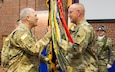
81 40
44 59
111 50
27 43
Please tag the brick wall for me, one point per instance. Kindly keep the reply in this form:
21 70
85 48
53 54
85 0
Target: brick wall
9 13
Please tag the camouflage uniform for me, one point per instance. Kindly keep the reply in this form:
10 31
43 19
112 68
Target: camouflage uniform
82 56
24 50
103 56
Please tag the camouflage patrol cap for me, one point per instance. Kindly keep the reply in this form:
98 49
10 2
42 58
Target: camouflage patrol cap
101 28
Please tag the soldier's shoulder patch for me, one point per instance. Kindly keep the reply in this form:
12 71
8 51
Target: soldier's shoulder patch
81 34
109 40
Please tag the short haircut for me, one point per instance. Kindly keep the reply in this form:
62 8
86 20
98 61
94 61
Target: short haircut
24 12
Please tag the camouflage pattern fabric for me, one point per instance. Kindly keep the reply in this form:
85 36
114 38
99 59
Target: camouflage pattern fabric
82 55
25 51
103 58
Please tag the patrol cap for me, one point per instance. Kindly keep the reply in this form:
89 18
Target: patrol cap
101 28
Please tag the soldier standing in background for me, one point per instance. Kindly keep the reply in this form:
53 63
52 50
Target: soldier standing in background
82 55
106 51
21 52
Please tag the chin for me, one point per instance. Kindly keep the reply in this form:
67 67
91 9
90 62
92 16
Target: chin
36 25
71 21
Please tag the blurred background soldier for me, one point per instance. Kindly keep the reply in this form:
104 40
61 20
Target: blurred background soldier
106 51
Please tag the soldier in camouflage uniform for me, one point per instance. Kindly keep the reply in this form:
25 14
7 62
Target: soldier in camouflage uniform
82 55
106 51
21 48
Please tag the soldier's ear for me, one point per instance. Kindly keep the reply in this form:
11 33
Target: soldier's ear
28 18
79 12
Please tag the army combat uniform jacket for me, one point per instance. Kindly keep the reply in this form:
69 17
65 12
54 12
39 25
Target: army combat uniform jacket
106 53
82 55
24 52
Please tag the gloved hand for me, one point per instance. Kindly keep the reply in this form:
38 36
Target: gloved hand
109 66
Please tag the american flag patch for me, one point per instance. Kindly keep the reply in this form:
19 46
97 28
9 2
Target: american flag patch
23 36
